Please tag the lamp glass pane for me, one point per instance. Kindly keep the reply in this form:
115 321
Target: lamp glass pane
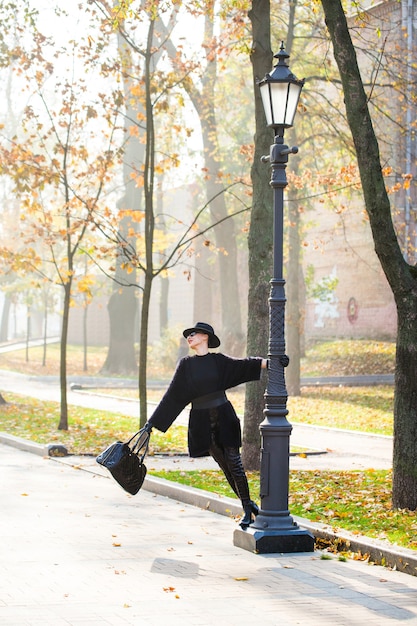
294 92
279 102
266 101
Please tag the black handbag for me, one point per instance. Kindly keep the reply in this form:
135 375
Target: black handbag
125 461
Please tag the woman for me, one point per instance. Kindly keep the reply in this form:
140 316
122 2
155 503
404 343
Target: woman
213 428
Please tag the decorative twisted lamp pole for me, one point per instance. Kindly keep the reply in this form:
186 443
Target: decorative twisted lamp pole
274 530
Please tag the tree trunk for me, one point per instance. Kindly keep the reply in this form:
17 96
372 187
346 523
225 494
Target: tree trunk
164 280
45 329
122 309
260 235
149 227
85 336
4 328
203 285
163 305
63 422
143 348
404 487
401 276
28 330
225 237
294 316
225 233
121 357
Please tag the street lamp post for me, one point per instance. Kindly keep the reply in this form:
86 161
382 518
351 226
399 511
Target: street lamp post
274 530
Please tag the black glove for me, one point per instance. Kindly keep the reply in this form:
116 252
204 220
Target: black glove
284 360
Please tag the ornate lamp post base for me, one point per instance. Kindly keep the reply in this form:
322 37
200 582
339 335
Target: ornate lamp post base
274 541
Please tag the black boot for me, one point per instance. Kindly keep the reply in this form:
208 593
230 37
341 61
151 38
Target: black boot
254 508
247 517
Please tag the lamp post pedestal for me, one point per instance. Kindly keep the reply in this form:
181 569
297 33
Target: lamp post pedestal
274 530
270 542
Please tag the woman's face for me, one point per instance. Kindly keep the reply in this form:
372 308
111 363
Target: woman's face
196 340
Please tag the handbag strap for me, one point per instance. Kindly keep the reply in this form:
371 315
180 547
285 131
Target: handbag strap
141 445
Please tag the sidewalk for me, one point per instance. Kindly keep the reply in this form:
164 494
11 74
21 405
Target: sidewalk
77 550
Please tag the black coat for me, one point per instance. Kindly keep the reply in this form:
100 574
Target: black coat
183 389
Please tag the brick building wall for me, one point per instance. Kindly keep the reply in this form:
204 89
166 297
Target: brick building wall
340 246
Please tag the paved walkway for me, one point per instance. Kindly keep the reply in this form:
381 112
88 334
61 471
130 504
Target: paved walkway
76 550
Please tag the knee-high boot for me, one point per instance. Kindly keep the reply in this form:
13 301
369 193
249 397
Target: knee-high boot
230 462
218 455
235 466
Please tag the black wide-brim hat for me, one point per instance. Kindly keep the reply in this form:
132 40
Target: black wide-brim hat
202 327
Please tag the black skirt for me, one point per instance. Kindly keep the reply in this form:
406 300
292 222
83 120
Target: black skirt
228 430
